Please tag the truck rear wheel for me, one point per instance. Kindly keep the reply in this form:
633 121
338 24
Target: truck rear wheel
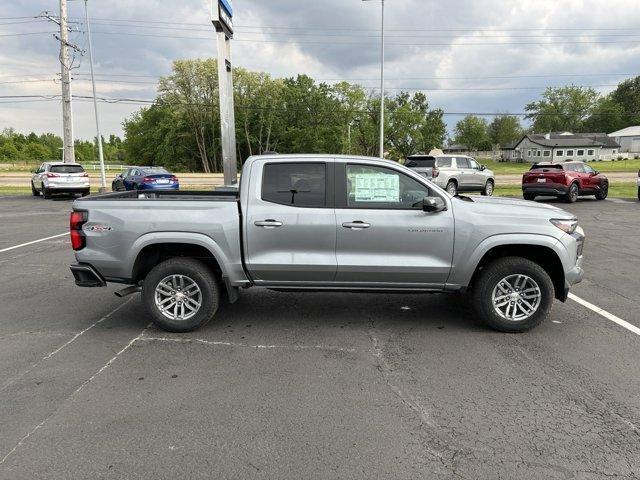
181 294
513 294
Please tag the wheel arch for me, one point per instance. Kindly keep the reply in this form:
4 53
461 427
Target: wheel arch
541 249
150 249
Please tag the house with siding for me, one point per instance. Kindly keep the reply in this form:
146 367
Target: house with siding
628 138
562 146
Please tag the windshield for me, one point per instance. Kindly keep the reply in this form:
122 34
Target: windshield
66 169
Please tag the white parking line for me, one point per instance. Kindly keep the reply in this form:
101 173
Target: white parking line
31 243
605 314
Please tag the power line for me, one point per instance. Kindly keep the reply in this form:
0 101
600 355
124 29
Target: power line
351 28
350 34
396 44
136 101
24 33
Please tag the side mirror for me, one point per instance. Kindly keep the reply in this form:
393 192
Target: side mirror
482 168
433 204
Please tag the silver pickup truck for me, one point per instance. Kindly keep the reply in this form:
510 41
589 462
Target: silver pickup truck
326 223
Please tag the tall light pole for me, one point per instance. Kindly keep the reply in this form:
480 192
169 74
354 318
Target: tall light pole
381 81
103 188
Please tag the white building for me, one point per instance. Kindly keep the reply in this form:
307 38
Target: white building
562 146
628 139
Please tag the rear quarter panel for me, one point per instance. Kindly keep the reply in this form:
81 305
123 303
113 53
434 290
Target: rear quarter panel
117 230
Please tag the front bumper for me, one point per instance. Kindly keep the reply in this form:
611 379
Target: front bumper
576 273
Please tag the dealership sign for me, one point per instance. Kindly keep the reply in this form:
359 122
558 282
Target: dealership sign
222 16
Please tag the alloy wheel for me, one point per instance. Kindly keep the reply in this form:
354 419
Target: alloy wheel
178 297
516 297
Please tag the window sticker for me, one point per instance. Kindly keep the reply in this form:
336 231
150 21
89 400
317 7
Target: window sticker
377 187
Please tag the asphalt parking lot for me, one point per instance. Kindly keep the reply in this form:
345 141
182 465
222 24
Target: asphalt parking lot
314 386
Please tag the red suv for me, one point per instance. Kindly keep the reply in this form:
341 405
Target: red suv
567 180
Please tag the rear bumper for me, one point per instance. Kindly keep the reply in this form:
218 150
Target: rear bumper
541 189
146 186
87 276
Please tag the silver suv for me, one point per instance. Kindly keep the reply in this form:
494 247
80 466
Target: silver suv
58 177
454 173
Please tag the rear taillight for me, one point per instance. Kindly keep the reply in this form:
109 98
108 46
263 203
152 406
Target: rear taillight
148 179
52 175
84 174
435 172
175 179
76 221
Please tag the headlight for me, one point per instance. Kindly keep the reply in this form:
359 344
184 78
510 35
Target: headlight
567 225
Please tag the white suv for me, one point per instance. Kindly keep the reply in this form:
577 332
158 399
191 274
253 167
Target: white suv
454 173
58 177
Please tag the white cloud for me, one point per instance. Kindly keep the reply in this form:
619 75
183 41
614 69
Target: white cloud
331 39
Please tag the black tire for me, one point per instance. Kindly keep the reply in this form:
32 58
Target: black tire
113 187
603 192
492 274
199 273
34 192
573 193
45 193
452 188
638 193
488 188
86 192
528 196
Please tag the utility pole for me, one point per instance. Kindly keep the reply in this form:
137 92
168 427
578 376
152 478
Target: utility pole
103 188
381 83
67 113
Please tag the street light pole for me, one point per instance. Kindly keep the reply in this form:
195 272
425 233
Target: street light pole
382 86
103 188
381 83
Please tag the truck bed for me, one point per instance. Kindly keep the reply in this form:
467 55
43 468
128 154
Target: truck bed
121 225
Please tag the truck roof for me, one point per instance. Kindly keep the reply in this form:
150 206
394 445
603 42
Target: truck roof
316 156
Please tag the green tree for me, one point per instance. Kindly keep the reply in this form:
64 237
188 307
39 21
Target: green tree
562 109
607 116
34 151
8 152
504 129
471 131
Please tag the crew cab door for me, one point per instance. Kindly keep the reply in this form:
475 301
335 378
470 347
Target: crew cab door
384 238
290 225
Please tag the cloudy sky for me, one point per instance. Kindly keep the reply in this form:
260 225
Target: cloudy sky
468 56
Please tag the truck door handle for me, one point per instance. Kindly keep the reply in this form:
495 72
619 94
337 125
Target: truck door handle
268 223
356 225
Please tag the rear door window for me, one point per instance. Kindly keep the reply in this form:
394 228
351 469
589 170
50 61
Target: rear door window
66 169
295 184
462 162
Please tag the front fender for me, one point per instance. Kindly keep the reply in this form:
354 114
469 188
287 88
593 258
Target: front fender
465 262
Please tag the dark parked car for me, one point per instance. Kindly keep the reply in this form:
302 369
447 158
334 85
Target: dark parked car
567 180
145 178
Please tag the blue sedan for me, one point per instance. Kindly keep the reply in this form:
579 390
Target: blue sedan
145 178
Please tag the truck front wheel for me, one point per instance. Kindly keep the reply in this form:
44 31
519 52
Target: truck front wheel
181 294
513 294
